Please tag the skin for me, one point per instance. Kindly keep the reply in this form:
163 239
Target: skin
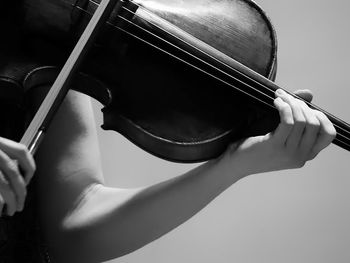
85 221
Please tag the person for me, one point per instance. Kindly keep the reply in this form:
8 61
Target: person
57 208
83 220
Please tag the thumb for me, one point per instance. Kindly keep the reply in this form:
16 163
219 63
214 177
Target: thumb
304 94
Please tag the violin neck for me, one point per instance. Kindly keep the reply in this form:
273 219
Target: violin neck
342 138
263 89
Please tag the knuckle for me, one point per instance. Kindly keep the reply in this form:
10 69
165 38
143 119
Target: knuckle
300 122
33 165
4 159
285 107
312 156
32 168
320 114
303 104
299 163
327 124
22 150
12 167
295 160
331 131
277 100
294 103
313 124
287 96
289 123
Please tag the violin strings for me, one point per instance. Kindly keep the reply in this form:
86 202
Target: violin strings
339 134
218 78
188 53
184 61
247 85
339 128
264 87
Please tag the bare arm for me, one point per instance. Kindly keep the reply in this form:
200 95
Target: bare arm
85 220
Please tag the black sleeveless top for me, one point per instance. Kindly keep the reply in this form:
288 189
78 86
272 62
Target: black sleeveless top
20 239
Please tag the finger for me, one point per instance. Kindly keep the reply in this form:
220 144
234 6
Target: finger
326 134
286 121
16 182
310 132
9 197
20 153
295 136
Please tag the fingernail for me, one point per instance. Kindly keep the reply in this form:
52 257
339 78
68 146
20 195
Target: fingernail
279 92
278 99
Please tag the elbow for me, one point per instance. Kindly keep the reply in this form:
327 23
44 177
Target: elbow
88 244
96 230
82 244
89 239
71 244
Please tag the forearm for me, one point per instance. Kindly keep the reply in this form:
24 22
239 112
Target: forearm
121 221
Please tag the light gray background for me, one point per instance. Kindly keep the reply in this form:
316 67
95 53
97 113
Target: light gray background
292 216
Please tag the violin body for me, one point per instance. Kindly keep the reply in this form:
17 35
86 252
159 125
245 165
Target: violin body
159 68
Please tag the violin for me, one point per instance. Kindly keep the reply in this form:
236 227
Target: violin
180 79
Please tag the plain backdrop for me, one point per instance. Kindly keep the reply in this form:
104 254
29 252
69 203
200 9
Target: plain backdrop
291 216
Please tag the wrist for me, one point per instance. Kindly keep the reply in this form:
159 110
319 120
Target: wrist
232 163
